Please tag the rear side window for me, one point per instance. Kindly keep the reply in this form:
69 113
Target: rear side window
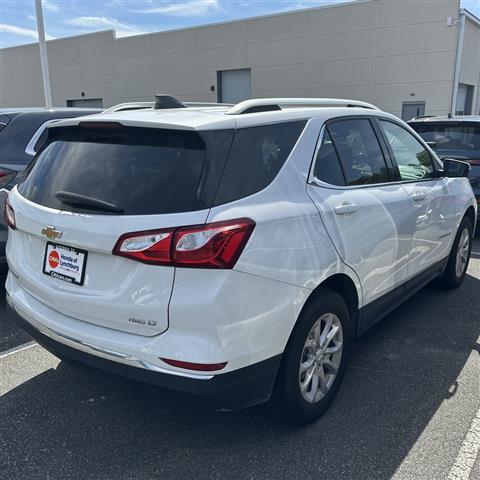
359 151
256 156
139 171
327 164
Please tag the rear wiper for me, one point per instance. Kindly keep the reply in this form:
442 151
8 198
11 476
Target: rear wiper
78 200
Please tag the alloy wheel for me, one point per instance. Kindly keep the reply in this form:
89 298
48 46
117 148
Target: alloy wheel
462 253
321 357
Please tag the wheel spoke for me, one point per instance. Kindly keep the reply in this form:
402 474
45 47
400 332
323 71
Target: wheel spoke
323 380
331 335
326 329
308 378
331 366
307 364
334 349
315 383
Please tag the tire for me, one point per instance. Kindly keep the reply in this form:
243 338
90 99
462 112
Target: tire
457 265
288 402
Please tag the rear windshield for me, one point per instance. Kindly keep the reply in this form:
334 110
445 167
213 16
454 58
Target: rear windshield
140 171
462 140
146 171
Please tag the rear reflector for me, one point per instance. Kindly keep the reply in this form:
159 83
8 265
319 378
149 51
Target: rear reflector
9 214
201 367
214 245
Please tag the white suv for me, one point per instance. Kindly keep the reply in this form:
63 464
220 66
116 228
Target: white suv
233 253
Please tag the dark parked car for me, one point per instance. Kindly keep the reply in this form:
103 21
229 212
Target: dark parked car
22 131
454 137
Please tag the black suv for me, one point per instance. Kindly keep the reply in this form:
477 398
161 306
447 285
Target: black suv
454 137
22 132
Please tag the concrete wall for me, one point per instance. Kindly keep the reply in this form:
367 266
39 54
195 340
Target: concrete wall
470 66
381 51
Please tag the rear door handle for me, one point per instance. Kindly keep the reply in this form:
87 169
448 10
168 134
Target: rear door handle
345 209
419 196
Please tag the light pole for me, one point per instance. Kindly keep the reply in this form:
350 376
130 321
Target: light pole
43 54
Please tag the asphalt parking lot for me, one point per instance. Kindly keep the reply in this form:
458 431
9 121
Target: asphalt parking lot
409 409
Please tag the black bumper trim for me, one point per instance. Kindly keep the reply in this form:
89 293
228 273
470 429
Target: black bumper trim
235 390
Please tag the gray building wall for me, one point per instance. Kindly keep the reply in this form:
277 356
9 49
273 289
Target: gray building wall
470 66
382 51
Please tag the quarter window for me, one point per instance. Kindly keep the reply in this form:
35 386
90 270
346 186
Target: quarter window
359 151
413 160
256 156
327 165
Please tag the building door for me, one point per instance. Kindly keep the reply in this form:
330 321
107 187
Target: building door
412 109
464 99
86 102
234 85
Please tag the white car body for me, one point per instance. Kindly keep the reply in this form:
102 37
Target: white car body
395 233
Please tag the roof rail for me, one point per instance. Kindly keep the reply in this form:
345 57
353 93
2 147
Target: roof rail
129 106
207 104
121 107
421 116
270 104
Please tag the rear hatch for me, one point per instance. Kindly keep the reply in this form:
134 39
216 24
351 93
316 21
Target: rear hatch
87 187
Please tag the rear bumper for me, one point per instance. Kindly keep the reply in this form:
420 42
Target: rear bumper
234 390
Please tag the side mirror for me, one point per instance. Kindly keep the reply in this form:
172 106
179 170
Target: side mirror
432 145
455 168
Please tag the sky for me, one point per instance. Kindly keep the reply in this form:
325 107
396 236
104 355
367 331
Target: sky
65 18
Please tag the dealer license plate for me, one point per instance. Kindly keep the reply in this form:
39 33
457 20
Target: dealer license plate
65 263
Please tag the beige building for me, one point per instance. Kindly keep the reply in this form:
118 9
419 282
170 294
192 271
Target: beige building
408 57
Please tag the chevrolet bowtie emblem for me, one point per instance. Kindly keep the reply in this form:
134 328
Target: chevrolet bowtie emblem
51 233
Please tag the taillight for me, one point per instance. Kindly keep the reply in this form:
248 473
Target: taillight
9 214
151 246
6 176
214 245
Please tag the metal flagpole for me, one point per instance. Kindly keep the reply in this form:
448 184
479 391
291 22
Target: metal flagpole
43 55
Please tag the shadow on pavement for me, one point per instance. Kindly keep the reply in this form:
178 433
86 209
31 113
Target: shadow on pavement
79 423
10 335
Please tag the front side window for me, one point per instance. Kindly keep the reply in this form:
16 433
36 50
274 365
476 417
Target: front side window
359 151
413 160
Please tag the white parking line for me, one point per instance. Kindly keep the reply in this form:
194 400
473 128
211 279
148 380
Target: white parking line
20 348
468 453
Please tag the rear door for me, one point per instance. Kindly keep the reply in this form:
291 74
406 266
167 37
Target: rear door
367 217
432 198
61 252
